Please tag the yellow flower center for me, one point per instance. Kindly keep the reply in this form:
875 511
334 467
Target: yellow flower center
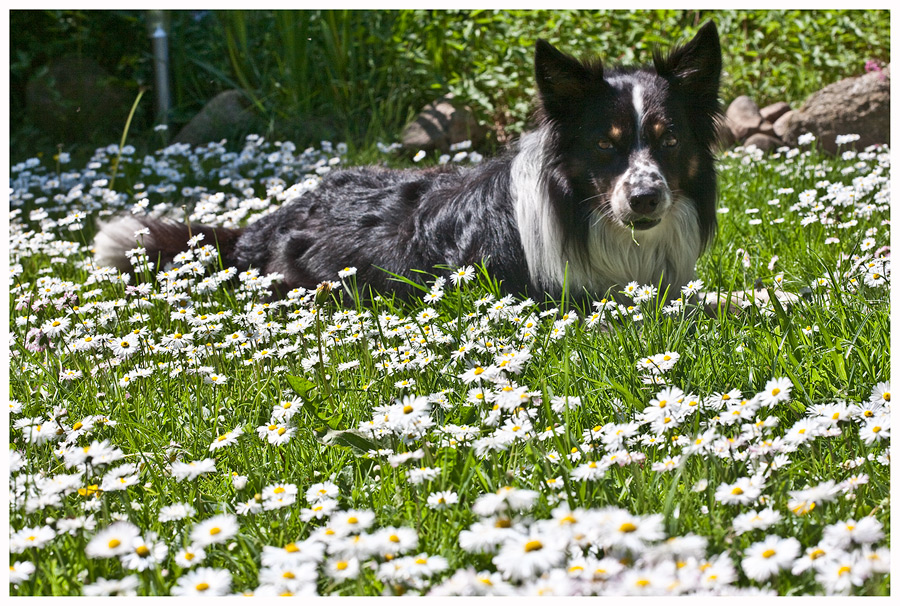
768 553
627 527
341 565
533 546
215 530
202 586
737 490
143 551
114 543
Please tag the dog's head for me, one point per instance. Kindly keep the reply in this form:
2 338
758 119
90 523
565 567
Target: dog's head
630 141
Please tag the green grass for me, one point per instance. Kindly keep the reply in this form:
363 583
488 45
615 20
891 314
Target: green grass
831 346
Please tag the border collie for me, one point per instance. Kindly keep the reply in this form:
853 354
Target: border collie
616 184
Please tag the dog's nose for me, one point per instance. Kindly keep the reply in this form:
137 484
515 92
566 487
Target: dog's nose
645 200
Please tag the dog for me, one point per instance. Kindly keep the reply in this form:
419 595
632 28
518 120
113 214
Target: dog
616 184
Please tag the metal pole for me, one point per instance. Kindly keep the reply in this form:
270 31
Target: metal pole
156 24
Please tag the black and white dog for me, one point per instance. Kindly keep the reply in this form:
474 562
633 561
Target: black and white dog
617 184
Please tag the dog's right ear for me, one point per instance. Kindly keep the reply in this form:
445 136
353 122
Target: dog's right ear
562 80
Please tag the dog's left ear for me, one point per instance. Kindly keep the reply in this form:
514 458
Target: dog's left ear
696 67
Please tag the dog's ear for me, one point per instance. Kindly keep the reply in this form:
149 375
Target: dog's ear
562 80
696 67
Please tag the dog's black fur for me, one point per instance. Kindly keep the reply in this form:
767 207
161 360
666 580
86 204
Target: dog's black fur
616 184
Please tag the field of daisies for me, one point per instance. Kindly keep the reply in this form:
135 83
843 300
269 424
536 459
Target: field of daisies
180 431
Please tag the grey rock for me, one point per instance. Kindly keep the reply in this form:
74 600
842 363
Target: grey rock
743 117
771 113
225 116
441 124
858 105
764 142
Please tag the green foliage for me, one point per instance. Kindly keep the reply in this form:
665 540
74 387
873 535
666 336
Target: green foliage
359 76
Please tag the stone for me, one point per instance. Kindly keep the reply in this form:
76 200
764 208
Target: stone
75 100
780 125
766 143
228 115
743 117
771 113
858 105
441 124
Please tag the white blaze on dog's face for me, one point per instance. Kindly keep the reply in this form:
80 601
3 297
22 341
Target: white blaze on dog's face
640 196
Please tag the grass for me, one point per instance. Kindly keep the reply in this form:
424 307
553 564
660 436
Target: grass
356 449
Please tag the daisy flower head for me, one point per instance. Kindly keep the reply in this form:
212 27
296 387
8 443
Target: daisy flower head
741 492
776 391
529 555
442 499
766 558
203 582
28 537
217 529
462 275
114 540
322 491
226 439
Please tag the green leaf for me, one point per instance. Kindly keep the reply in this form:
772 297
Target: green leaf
300 385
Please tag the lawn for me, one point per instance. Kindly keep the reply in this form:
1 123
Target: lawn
181 432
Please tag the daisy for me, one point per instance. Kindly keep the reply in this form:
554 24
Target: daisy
342 569
352 521
442 500
755 520
203 582
26 538
322 491
226 439
114 540
19 572
144 554
527 556
462 275
742 492
392 540
876 429
842 572
217 529
776 391
192 469
190 556
126 586
766 558
318 510
865 531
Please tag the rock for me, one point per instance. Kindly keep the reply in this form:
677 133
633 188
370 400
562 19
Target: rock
75 100
771 113
440 124
780 126
764 142
228 115
859 105
743 117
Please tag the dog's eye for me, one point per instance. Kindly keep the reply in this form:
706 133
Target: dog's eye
604 143
669 141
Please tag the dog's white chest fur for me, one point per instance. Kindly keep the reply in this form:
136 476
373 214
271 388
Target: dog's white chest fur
616 256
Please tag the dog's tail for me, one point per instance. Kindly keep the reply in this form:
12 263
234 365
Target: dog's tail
163 240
